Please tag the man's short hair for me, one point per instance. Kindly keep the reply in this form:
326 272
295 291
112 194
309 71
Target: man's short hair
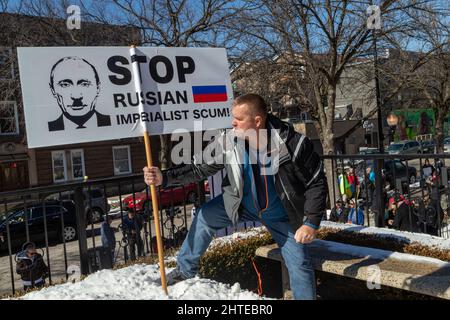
255 101
28 246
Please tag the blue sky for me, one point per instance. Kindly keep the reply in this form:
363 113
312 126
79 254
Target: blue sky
413 45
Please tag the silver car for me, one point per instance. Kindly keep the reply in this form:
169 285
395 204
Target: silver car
447 145
95 203
405 147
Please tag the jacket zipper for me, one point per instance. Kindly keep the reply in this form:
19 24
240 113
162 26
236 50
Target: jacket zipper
287 195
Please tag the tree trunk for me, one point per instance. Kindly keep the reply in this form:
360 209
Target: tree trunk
328 149
440 114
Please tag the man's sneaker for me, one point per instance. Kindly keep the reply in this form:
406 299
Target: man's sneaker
175 276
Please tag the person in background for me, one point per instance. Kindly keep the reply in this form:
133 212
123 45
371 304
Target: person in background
428 169
355 215
353 183
339 213
108 236
31 267
370 185
403 218
132 226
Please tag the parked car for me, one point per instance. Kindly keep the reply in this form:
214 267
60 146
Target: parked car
166 197
369 151
354 162
401 172
55 211
404 147
428 146
95 204
406 174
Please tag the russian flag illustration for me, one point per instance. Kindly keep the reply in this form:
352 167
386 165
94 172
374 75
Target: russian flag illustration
209 93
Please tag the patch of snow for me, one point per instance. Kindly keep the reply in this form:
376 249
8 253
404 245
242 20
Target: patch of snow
423 239
249 233
379 253
140 282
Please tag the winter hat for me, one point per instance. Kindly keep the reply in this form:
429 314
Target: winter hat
28 245
391 201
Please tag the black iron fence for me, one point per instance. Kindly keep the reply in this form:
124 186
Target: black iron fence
65 222
405 192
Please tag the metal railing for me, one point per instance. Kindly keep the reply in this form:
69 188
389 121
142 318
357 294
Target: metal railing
63 221
414 189
68 231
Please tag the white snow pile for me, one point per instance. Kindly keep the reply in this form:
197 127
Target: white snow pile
140 282
379 253
249 233
423 239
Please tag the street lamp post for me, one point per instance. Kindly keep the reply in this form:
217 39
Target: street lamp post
379 214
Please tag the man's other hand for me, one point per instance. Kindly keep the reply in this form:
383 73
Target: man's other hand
305 234
152 175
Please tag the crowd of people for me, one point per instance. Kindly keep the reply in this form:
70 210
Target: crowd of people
423 214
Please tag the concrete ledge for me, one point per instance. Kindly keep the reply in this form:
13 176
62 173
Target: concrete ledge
402 271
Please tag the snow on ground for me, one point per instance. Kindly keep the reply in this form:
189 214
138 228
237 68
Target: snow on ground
143 281
140 282
423 239
249 233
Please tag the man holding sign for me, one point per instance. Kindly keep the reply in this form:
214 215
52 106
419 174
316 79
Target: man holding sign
273 176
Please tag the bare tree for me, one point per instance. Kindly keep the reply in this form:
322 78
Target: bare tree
171 23
320 39
424 74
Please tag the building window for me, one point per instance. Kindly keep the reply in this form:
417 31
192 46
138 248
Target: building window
122 160
77 157
6 63
59 166
9 118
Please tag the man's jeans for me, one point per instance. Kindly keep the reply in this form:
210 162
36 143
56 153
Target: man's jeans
212 217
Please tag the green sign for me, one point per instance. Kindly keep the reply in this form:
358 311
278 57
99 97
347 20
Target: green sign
414 122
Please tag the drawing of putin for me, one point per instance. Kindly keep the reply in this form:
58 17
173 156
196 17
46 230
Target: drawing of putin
75 84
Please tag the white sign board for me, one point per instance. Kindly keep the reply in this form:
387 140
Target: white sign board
83 94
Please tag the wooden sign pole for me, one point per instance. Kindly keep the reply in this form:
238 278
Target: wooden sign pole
148 152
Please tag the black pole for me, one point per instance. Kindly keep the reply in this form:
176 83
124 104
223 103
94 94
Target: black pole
81 230
379 216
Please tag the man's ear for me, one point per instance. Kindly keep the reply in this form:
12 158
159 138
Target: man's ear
259 121
52 89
